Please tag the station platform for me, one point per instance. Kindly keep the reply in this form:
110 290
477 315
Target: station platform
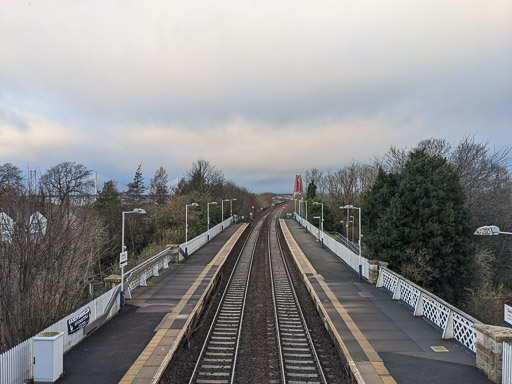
136 345
381 339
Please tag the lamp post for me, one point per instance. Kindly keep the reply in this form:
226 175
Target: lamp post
208 215
300 206
322 222
345 224
347 207
186 226
123 257
222 208
348 212
231 207
490 230
306 215
295 208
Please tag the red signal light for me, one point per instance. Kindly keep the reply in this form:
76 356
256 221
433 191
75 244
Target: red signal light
283 207
252 207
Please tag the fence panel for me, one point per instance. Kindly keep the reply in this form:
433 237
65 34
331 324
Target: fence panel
16 364
339 249
506 375
437 311
197 242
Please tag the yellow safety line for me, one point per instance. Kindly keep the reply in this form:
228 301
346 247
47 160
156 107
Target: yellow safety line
306 265
150 348
372 355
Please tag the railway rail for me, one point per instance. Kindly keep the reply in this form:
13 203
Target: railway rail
217 361
299 360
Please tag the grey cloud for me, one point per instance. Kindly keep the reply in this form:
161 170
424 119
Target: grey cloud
371 74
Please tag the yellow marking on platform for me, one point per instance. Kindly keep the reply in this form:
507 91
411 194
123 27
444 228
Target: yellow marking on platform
165 330
305 264
367 348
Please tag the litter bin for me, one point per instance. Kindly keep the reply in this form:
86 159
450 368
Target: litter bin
48 356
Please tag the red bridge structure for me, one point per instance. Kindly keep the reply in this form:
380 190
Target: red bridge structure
297 188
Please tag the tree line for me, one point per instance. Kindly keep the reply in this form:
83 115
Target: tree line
46 268
420 207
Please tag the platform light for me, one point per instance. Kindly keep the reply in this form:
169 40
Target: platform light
490 230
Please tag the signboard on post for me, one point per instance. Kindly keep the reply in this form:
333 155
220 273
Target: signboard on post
508 315
123 258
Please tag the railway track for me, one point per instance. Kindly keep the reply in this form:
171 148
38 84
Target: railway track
217 360
299 360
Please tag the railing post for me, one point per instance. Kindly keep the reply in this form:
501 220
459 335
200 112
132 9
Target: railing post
418 310
380 280
155 270
166 263
128 292
448 329
142 280
396 293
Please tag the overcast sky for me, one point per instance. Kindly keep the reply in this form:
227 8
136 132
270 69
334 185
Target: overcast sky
262 89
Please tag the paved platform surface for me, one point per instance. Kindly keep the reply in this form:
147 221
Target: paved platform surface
386 342
155 315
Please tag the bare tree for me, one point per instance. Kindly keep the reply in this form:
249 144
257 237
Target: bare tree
65 179
434 146
345 185
314 175
11 177
43 274
487 184
202 177
394 160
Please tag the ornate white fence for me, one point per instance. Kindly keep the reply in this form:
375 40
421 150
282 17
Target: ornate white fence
349 257
454 323
506 375
16 364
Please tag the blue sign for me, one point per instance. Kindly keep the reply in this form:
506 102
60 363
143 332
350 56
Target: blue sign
508 315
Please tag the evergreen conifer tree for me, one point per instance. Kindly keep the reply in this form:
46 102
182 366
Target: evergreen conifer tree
311 190
416 220
136 188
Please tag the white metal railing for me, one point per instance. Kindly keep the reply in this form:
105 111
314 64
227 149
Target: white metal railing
16 364
350 245
138 276
506 373
454 323
198 241
339 249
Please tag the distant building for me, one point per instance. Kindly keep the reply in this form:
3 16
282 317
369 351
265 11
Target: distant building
37 226
6 227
